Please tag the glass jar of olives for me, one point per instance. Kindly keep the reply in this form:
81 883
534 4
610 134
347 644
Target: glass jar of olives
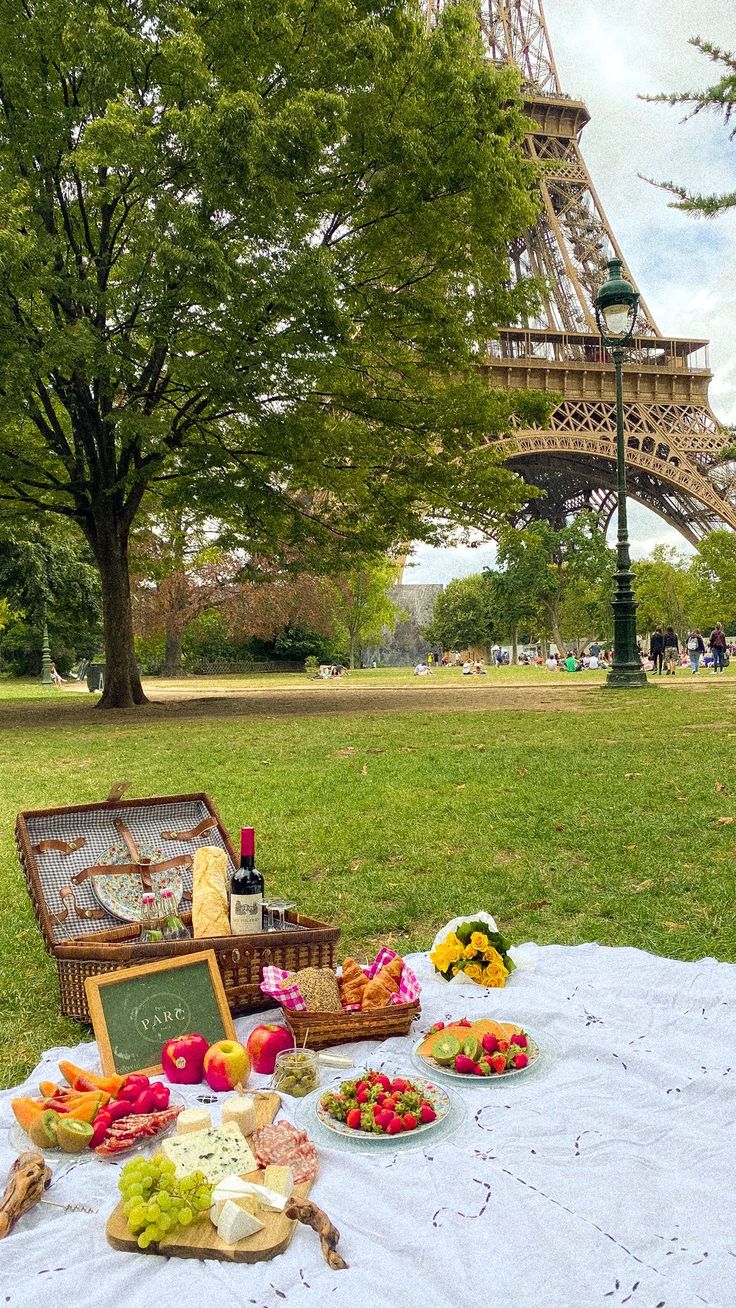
296 1072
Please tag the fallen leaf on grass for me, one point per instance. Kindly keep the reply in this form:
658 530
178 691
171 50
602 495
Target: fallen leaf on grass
560 826
480 747
523 772
676 926
357 864
719 787
345 753
643 885
364 770
725 821
632 847
629 775
462 785
266 762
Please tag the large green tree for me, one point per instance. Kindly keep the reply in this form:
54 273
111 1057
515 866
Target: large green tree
464 614
665 590
253 251
48 577
361 606
562 574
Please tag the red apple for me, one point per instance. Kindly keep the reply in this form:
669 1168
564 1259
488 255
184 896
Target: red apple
183 1059
226 1065
264 1043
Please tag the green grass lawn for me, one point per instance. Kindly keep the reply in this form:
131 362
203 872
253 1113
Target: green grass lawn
580 816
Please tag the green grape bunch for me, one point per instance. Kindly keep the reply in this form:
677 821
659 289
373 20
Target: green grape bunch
156 1203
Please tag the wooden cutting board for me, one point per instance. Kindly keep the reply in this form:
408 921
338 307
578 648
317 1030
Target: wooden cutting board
200 1240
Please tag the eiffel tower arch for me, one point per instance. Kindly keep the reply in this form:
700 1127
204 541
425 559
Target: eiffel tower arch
673 439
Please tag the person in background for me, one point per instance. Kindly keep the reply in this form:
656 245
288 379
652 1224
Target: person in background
671 651
551 663
480 670
593 663
656 650
695 649
571 663
467 669
422 670
55 677
718 647
499 658
594 649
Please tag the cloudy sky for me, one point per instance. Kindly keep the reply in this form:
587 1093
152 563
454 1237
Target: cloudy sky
607 53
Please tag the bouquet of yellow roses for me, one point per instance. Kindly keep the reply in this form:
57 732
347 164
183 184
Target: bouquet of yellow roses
472 949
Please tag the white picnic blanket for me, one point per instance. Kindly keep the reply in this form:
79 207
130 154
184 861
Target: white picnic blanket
607 1178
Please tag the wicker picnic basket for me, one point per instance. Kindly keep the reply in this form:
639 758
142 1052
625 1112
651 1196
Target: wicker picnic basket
317 1030
63 850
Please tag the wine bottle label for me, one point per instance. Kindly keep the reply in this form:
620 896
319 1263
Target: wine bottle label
246 917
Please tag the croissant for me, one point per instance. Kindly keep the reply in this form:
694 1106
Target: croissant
385 984
353 982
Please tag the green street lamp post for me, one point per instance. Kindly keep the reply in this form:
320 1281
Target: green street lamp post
616 306
45 657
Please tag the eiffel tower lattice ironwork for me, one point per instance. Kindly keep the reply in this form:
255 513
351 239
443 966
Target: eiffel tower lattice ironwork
673 438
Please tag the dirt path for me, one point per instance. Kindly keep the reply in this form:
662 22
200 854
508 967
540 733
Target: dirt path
183 703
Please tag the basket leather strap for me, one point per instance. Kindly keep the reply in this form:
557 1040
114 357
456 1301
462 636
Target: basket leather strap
60 846
141 868
88 914
207 824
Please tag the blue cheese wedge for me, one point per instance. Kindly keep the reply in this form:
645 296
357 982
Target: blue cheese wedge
216 1153
236 1223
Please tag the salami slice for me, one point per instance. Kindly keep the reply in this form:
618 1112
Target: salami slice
285 1146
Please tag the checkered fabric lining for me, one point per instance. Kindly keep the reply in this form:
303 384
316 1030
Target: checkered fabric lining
145 824
276 984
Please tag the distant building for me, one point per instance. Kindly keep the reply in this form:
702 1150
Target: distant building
407 645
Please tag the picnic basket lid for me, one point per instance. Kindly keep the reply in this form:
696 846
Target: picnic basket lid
63 850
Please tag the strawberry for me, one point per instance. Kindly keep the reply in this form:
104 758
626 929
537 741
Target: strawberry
519 1038
479 1070
464 1021
399 1086
390 1102
409 1121
490 1043
362 1085
485 1067
377 1111
438 1026
362 1096
394 1126
385 1118
503 1046
353 1119
427 1113
520 1060
383 1081
498 1062
464 1064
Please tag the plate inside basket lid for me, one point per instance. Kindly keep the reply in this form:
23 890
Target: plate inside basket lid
122 895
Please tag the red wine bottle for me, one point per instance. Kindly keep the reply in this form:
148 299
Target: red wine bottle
246 890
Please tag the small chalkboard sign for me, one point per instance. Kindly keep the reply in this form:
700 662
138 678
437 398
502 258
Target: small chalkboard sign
136 1010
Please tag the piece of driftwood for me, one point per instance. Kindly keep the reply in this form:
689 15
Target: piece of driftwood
303 1210
27 1181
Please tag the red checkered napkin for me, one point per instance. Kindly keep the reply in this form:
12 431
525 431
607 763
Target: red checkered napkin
277 985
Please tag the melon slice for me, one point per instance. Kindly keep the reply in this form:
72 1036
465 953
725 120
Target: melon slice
26 1111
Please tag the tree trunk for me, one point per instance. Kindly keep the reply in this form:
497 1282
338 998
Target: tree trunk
123 689
353 644
172 657
515 647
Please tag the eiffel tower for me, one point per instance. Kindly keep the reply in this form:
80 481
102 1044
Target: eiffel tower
673 438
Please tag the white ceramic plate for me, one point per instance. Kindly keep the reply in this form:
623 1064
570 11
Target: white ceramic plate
441 1069
434 1094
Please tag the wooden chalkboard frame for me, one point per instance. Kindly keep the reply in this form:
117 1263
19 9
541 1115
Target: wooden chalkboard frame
94 984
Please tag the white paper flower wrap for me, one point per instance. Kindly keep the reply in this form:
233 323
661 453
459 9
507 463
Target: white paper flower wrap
517 955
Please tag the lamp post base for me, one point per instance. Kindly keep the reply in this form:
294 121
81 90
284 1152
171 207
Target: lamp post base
627 676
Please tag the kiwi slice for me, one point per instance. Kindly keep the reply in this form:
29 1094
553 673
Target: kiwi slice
43 1129
472 1048
446 1049
73 1136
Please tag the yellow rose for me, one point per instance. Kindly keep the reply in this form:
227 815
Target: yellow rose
470 951
453 948
439 958
492 955
478 940
495 976
475 972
